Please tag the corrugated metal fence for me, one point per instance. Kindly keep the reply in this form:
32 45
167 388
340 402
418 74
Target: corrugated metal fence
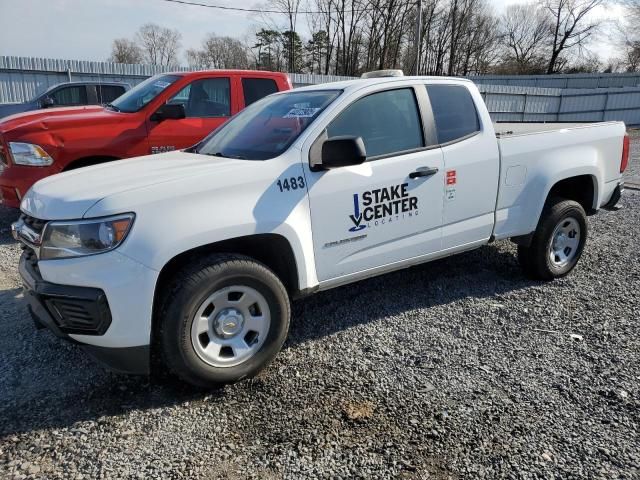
508 98
530 104
22 78
574 80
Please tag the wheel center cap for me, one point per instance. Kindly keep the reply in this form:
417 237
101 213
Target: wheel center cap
228 323
561 241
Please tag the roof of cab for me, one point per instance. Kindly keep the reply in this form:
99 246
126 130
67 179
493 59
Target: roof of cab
248 73
358 83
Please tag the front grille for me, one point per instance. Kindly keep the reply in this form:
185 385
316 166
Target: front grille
35 224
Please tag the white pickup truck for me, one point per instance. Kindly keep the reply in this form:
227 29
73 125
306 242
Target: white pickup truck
195 255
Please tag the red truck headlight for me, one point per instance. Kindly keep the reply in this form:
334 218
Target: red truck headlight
29 154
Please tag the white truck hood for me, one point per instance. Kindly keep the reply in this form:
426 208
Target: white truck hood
70 195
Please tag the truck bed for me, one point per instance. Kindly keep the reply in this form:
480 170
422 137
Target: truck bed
535 156
504 129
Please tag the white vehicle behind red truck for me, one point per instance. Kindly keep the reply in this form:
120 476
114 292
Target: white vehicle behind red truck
196 254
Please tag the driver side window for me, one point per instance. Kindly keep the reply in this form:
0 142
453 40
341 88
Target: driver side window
210 97
388 122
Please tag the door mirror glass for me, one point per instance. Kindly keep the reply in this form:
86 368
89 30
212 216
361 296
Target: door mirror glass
169 111
47 102
342 151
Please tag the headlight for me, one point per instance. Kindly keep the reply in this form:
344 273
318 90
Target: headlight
29 154
84 237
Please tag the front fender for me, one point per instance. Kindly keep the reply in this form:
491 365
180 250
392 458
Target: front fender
176 217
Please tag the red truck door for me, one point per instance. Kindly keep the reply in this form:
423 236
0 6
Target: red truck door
208 103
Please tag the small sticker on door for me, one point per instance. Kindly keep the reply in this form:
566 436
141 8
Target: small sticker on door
450 194
451 177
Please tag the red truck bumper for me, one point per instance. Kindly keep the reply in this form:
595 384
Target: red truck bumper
15 180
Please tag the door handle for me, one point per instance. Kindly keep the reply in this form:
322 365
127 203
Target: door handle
423 172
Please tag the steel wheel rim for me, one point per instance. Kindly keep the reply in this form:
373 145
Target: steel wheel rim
565 242
230 326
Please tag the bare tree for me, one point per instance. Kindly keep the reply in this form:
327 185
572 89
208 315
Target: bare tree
525 34
349 37
159 45
571 27
268 48
459 37
124 50
627 32
290 8
219 52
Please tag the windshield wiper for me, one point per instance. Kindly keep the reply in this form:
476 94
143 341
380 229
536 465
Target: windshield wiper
113 107
220 154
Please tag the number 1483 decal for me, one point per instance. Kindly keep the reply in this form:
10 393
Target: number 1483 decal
292 183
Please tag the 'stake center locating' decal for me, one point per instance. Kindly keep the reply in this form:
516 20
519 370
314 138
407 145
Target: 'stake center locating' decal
381 206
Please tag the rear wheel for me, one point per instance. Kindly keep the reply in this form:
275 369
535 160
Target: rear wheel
558 241
224 319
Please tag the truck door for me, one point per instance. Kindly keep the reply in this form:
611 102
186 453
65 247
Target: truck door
471 163
208 103
375 214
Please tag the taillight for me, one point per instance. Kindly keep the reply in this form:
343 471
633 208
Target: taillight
625 153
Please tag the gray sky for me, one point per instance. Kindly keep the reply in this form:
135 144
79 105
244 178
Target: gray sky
84 29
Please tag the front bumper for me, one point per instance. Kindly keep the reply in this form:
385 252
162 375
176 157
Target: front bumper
80 312
16 180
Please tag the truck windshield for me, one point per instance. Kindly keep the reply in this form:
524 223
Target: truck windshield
143 93
267 128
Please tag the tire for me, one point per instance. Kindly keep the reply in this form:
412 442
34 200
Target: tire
224 319
565 222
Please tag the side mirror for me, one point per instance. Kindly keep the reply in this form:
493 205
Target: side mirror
342 151
169 111
47 102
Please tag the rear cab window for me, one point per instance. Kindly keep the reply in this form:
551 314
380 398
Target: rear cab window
108 93
454 112
256 88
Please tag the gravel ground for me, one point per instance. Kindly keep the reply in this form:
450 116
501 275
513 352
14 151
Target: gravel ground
457 369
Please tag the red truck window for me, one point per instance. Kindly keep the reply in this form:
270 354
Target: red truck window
210 97
256 88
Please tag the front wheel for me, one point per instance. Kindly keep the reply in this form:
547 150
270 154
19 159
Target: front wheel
558 241
224 319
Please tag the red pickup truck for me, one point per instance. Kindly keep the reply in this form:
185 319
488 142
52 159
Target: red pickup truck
165 112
